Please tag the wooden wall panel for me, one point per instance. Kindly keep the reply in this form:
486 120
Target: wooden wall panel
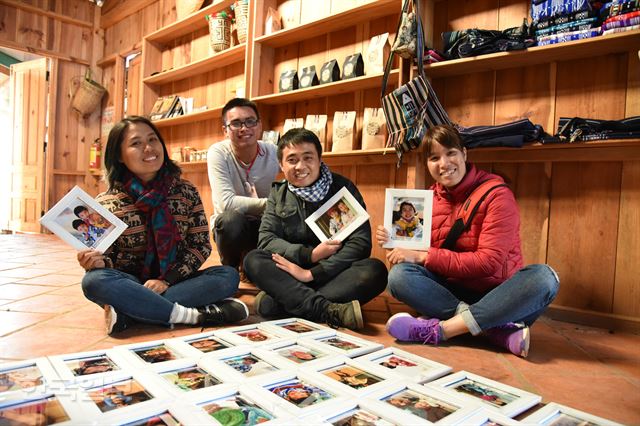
626 300
469 99
582 235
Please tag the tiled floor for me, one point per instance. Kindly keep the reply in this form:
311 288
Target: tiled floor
43 312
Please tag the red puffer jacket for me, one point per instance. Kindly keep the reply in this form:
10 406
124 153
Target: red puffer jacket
489 252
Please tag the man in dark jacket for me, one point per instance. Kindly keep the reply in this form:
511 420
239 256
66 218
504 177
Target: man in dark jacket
299 275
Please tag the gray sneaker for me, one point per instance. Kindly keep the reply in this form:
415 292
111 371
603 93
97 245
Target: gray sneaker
348 315
267 307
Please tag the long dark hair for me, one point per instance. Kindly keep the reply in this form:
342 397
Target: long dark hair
115 169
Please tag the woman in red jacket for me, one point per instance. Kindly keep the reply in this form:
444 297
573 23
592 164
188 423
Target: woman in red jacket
480 286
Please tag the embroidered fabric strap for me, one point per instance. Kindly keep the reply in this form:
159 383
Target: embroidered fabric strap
162 230
316 191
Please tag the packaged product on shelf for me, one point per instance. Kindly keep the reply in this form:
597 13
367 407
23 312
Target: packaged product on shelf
374 128
308 77
330 72
273 22
290 13
292 123
187 153
176 154
271 136
377 54
166 108
353 66
312 10
343 131
318 125
288 81
187 105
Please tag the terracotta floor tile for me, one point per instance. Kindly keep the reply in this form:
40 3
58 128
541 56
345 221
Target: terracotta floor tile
4 266
20 291
26 272
85 315
611 398
13 321
6 280
72 290
603 344
42 340
55 280
46 303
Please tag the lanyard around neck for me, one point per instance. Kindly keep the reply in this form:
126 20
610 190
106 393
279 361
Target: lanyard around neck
247 168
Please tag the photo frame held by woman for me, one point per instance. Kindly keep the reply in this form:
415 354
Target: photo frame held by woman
407 218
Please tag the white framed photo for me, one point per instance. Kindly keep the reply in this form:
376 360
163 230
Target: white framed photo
405 365
558 414
200 344
242 363
492 395
338 217
151 355
353 377
340 343
297 392
82 222
407 218
292 354
47 409
29 377
251 334
236 405
350 412
158 413
188 377
78 366
410 403
295 327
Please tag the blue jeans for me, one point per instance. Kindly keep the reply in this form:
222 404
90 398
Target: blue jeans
521 298
128 296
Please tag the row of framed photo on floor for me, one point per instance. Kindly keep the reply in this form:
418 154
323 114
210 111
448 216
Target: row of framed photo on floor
283 372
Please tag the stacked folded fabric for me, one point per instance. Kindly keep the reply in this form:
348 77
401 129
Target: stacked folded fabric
620 15
557 21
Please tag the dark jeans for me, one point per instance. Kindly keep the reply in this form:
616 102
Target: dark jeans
363 281
127 295
235 235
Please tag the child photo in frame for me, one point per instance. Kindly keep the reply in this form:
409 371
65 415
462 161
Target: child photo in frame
154 354
237 410
92 365
422 406
299 393
119 395
338 217
249 365
352 376
82 223
45 411
190 378
208 344
24 377
407 217
300 354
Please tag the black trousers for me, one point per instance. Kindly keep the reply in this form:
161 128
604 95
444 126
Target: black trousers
363 281
235 235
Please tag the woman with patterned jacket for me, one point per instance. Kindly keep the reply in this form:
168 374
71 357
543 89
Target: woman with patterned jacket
151 272
479 286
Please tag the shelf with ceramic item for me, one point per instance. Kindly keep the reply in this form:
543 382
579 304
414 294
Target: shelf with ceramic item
193 117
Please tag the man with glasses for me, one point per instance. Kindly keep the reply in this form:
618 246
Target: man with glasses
241 170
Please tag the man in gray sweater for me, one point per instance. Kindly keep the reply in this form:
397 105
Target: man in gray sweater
241 170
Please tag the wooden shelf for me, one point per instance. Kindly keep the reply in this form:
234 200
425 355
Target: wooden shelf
588 48
107 61
188 24
348 18
219 60
330 89
604 150
190 118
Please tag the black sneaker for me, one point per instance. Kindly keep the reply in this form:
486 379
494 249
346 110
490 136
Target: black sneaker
348 315
267 307
226 311
115 322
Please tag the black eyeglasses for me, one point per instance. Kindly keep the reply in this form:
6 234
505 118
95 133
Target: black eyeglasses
249 123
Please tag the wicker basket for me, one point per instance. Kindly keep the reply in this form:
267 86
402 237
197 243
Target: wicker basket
88 95
185 8
241 10
219 31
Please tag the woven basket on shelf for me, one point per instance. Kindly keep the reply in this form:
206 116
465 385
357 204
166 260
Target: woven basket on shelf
88 94
241 10
185 8
219 31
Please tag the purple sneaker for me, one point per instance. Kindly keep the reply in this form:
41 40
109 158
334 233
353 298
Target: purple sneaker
406 328
512 337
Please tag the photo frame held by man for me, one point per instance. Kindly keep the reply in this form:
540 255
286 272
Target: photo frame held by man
82 222
338 217
407 218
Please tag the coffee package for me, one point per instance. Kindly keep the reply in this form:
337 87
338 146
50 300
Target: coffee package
330 72
374 129
292 123
308 77
271 136
377 54
273 22
343 131
290 13
318 125
288 81
353 66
